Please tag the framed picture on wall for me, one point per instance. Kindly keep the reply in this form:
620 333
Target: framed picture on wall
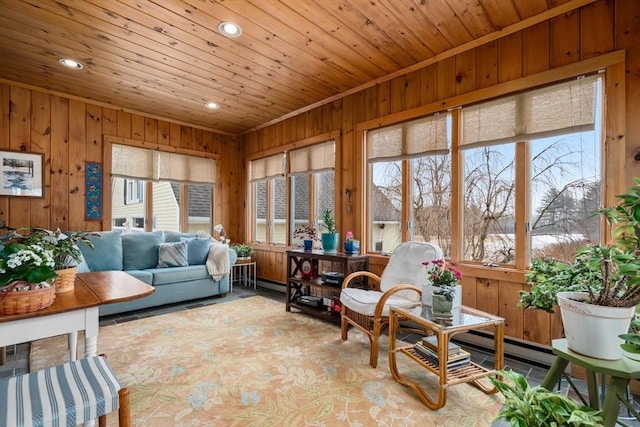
21 174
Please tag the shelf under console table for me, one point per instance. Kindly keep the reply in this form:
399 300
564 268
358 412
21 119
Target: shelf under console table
304 270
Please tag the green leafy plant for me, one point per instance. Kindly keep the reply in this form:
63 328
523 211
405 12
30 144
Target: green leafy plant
610 274
527 406
328 221
66 252
243 250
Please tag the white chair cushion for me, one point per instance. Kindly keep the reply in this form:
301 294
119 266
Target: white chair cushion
405 266
364 302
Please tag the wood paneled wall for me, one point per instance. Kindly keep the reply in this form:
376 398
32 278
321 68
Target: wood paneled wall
602 27
71 132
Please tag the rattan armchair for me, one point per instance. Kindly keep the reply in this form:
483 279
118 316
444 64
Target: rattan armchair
400 285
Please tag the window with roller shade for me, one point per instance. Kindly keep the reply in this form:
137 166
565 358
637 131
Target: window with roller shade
176 188
557 131
310 171
409 179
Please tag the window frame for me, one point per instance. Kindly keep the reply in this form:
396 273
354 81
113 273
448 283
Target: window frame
612 160
250 220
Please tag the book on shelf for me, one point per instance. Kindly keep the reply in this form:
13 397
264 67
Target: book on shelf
462 358
431 342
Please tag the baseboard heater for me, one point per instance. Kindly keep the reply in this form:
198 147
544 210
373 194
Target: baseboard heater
523 351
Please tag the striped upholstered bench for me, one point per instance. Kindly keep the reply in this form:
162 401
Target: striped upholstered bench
65 395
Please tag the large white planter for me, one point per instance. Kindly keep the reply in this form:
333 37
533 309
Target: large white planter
427 299
592 330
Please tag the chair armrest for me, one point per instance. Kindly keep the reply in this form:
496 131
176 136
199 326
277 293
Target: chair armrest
385 296
355 274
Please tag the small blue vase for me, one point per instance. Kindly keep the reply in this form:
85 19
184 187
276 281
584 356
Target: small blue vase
351 247
308 245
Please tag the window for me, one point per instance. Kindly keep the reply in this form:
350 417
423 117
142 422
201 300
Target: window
544 143
133 191
529 167
311 189
177 190
409 178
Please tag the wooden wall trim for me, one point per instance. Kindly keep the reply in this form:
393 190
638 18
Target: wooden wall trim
334 134
109 139
539 79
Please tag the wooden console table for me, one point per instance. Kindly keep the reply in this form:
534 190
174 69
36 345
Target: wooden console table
298 286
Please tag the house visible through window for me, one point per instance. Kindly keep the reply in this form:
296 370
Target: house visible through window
177 188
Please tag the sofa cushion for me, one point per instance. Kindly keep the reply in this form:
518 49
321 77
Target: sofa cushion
197 249
176 236
143 275
172 254
140 250
163 276
107 252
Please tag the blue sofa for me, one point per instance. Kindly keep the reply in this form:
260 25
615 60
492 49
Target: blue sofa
140 255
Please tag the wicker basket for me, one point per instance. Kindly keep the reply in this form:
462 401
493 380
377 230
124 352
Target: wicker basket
65 279
20 302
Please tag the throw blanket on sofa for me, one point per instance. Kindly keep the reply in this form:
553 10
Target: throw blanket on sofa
218 260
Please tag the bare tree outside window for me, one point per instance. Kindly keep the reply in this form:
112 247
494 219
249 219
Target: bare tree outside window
489 204
432 200
565 184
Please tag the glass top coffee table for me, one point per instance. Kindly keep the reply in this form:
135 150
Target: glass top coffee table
464 319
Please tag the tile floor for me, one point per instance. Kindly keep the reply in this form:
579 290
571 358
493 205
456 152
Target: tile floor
18 356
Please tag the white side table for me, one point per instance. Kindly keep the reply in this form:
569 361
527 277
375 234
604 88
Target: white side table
243 272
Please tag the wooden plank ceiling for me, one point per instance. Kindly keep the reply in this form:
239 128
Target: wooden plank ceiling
165 57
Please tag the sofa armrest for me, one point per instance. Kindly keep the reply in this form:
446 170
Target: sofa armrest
233 257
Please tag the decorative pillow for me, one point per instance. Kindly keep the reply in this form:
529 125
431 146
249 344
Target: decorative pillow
197 249
172 254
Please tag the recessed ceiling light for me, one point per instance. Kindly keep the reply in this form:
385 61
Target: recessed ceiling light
212 105
229 29
70 63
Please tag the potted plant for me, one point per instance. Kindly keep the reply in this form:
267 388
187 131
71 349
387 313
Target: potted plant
307 234
65 250
330 238
351 245
442 286
599 290
537 406
243 250
26 275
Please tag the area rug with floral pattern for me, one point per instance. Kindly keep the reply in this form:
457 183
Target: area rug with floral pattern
248 362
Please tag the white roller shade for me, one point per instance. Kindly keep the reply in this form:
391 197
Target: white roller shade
182 168
314 158
268 167
132 162
551 111
427 135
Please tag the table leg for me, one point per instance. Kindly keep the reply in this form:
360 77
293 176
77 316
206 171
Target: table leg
393 367
73 345
91 332
555 373
611 405
592 389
